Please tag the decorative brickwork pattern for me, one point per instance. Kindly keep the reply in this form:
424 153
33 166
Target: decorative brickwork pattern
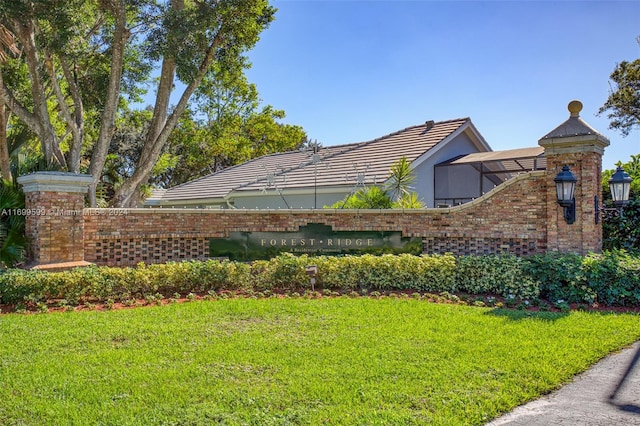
482 246
511 218
131 251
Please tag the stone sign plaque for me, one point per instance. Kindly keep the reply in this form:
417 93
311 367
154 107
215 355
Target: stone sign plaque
313 239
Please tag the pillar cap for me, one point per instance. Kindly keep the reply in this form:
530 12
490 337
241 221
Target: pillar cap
55 182
574 135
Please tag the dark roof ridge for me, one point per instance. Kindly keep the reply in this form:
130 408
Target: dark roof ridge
397 132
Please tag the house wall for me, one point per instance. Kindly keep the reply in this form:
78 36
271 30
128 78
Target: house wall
424 184
273 200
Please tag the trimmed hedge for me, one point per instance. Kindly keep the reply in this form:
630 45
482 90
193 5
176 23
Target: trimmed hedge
611 278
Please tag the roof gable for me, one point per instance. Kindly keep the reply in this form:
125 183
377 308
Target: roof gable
371 160
339 165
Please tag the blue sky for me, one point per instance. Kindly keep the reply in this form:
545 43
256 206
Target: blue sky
350 71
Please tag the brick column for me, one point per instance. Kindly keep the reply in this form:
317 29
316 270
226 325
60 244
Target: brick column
55 223
578 145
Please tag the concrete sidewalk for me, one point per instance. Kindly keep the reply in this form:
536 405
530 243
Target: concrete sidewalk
606 394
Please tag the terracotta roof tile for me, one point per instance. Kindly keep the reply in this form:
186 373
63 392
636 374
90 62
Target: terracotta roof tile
339 165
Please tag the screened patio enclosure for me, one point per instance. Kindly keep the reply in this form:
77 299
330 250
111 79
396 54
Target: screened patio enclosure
467 177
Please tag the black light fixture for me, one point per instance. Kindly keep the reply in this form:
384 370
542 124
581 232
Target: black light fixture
565 186
619 185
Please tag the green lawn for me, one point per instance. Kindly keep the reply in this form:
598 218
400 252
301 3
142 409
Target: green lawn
293 361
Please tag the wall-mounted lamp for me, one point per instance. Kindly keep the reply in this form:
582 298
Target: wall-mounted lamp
619 185
565 185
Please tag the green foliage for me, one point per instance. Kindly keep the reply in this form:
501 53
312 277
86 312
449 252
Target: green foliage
498 274
611 278
103 283
396 193
200 148
224 126
12 221
283 272
408 201
400 178
623 232
614 277
372 197
558 276
623 103
386 272
80 63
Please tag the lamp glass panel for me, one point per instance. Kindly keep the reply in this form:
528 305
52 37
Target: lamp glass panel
619 191
565 190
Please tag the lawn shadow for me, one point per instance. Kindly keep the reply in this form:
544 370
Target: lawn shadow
519 315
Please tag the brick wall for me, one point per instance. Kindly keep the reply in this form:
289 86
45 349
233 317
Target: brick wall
511 218
58 231
521 216
565 237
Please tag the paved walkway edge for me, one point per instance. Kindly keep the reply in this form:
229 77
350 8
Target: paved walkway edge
606 394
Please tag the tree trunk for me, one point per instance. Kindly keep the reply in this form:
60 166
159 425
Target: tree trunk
40 122
107 125
128 194
5 165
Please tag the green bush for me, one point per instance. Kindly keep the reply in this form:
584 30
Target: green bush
280 273
558 277
503 274
12 236
611 278
386 272
614 278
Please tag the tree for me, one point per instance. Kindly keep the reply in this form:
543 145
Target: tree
225 126
396 193
623 103
12 238
82 57
400 179
8 47
623 232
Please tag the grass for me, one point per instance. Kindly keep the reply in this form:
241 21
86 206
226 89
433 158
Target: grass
293 361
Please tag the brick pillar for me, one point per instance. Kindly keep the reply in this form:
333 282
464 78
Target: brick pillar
579 146
55 223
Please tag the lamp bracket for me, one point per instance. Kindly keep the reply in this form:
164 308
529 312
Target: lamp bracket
569 212
608 212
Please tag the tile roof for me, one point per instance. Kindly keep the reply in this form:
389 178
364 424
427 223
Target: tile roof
339 165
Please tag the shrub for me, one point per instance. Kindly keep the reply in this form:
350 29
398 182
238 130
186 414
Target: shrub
386 272
611 278
12 237
284 272
558 276
503 274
